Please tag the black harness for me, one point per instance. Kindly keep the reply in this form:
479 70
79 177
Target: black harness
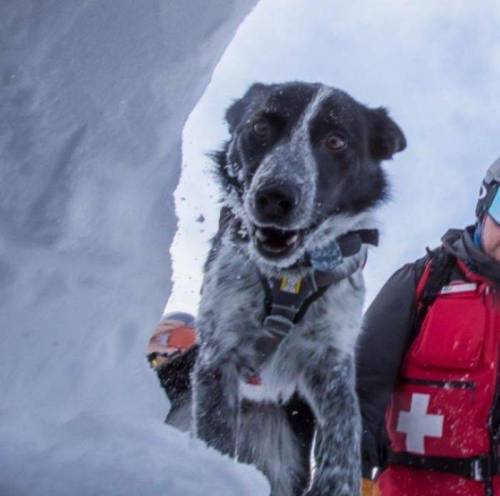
289 298
480 468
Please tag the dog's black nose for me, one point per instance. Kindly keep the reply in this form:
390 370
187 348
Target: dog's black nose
276 203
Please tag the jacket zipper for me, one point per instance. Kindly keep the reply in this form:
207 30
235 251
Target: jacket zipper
440 384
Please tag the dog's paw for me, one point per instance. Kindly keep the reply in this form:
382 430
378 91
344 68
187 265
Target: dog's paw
245 362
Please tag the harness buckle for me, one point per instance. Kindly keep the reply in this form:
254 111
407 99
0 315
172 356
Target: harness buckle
276 328
482 469
277 324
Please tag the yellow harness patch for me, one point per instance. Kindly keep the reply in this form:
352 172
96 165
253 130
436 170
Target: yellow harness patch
291 284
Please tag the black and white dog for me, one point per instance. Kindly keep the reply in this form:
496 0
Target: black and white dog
283 289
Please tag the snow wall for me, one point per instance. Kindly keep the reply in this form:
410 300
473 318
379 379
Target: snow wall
93 98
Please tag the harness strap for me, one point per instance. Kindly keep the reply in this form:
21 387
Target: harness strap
480 468
289 298
436 274
326 259
288 301
351 242
441 266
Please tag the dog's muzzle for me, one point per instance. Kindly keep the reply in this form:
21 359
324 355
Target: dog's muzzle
275 206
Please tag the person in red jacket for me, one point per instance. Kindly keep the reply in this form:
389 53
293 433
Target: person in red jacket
428 366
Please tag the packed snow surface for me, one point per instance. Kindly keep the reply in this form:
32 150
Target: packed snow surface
94 96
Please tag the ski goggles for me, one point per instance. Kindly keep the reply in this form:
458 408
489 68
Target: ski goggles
171 340
493 208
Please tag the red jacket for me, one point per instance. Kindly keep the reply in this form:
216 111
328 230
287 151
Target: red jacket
436 368
440 416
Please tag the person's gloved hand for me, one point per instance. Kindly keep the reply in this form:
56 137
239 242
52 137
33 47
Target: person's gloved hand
174 335
369 488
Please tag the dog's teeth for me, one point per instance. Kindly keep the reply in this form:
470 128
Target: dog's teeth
260 235
292 239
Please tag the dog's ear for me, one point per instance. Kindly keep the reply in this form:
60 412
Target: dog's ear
236 112
386 137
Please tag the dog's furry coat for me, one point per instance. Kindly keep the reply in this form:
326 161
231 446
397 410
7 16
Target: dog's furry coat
278 136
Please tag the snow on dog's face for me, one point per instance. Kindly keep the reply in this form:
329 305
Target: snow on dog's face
302 165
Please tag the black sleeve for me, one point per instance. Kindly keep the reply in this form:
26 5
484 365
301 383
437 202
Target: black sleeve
385 337
175 376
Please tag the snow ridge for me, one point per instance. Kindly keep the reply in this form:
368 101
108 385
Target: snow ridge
94 98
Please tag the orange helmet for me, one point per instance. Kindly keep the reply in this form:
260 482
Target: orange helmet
174 335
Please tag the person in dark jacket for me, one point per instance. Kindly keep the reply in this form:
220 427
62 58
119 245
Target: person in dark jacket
428 366
171 353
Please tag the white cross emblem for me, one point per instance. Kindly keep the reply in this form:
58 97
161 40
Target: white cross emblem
417 423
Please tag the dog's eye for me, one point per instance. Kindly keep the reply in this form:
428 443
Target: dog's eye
261 128
335 142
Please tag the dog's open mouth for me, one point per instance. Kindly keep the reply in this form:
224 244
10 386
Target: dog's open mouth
276 243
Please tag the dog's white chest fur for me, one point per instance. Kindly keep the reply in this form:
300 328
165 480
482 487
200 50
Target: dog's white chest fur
270 387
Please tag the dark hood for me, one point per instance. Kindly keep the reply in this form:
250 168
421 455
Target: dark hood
460 243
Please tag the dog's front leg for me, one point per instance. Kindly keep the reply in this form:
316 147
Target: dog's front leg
216 403
329 387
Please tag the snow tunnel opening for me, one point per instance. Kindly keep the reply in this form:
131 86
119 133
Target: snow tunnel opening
296 40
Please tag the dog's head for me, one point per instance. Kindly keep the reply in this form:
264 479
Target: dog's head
302 165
